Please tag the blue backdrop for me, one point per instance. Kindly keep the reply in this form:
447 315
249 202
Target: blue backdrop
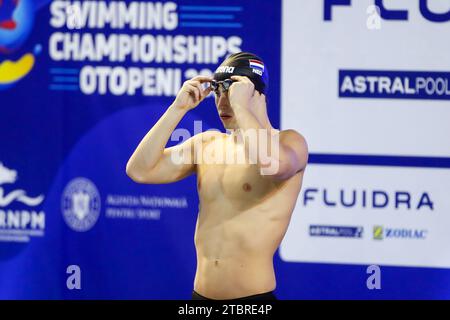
53 132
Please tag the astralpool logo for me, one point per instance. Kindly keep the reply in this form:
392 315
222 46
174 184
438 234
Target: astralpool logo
394 84
336 231
381 233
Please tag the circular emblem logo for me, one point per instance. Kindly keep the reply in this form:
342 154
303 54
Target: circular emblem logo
81 204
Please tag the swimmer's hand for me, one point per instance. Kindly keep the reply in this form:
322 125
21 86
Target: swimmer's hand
241 92
192 93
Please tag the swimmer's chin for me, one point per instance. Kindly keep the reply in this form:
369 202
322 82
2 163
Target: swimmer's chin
228 122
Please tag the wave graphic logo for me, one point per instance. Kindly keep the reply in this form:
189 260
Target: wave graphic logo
10 176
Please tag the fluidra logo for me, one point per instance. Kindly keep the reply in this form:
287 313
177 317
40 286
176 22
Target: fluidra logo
81 204
18 225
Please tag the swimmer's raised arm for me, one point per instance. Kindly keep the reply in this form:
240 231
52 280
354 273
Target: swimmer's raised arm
152 162
279 155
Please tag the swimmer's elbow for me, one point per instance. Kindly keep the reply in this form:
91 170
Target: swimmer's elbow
282 170
292 158
276 170
132 173
136 174
280 176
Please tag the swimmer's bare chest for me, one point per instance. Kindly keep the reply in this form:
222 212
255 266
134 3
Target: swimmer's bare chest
240 211
235 184
242 219
239 187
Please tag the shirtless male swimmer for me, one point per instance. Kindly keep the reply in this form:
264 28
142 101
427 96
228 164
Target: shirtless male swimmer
244 209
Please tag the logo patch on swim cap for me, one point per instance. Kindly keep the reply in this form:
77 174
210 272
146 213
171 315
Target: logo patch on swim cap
225 69
257 66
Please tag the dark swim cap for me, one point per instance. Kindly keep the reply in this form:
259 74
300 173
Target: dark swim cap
244 64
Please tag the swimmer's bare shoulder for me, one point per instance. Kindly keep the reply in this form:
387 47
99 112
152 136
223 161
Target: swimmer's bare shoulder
293 154
177 162
296 141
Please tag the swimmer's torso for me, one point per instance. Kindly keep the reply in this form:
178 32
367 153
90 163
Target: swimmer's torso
242 220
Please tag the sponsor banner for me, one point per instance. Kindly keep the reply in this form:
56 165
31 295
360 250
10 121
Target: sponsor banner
358 79
335 231
81 83
367 83
394 84
403 212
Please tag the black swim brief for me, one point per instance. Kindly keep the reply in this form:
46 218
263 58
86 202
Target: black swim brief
261 296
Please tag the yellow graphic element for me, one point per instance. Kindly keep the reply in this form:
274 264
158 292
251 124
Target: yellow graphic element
378 233
11 71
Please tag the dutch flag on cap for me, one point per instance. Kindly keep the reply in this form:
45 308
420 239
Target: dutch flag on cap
256 64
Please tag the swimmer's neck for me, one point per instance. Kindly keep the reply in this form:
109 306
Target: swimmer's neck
262 118
239 132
